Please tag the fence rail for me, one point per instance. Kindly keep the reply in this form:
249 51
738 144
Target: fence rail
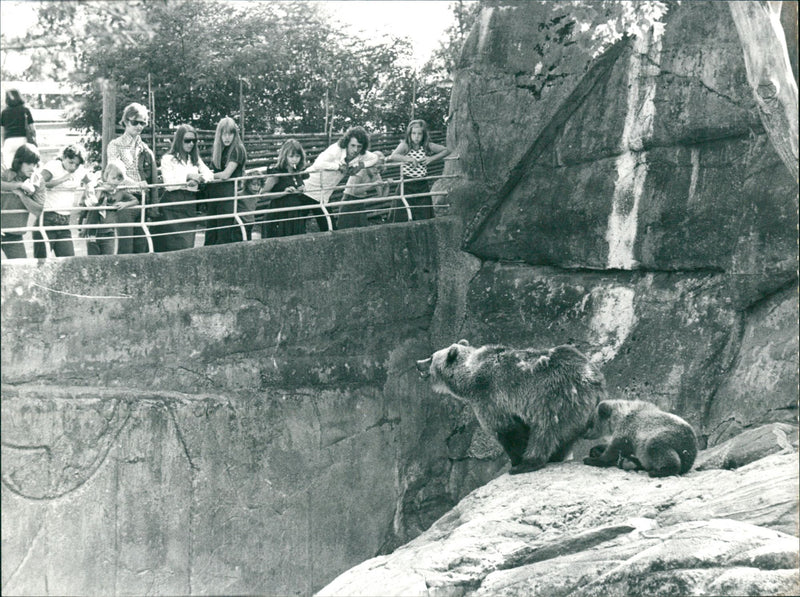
248 212
262 149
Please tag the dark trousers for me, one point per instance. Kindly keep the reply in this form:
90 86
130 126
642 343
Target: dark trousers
421 207
289 223
60 240
102 243
223 230
349 216
13 246
128 235
177 235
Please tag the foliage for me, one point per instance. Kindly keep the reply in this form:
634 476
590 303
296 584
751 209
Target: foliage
297 70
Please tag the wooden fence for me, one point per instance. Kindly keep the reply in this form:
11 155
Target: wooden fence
262 149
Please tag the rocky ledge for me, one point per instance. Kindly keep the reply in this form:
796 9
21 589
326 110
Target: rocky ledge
571 529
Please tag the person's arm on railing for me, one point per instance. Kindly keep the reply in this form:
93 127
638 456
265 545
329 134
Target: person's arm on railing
399 154
123 200
233 162
439 153
206 175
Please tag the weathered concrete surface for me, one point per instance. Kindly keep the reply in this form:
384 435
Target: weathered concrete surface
231 420
570 529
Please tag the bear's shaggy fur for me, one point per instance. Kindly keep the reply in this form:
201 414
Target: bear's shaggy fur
536 402
661 443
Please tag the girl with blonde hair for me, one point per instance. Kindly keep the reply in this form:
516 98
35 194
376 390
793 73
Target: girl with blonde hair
228 159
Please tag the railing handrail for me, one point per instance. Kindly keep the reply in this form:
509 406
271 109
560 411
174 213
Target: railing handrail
390 202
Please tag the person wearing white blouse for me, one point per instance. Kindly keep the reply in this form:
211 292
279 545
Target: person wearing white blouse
183 171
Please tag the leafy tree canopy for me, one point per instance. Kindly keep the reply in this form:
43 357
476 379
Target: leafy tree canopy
294 66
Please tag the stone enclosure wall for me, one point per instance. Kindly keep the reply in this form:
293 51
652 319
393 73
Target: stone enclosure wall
235 420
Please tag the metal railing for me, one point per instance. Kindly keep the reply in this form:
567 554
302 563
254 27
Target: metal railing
148 225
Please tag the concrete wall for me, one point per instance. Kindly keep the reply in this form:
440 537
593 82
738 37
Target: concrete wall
243 419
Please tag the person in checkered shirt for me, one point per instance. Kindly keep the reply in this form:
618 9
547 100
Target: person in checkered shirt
415 153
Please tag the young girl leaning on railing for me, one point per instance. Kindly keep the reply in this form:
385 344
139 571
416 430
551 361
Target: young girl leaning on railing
107 195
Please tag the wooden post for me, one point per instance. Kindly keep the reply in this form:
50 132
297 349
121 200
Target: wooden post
109 123
241 109
413 93
326 115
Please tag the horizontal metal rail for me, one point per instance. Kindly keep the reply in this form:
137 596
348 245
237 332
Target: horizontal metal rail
242 218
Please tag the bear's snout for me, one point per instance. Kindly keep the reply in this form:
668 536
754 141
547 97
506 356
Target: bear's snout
424 367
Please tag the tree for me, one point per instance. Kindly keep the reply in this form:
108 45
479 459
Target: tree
435 79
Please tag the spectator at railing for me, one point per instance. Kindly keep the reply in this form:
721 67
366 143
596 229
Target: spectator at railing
101 241
16 126
337 163
416 153
183 171
63 181
366 183
140 168
228 159
288 177
19 195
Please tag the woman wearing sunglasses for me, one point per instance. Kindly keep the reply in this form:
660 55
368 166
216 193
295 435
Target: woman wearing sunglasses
183 172
140 169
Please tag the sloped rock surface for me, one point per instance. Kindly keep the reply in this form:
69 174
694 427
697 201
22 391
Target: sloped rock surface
575 530
749 446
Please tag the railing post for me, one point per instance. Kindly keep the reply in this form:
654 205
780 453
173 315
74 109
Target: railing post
236 215
403 195
145 227
45 238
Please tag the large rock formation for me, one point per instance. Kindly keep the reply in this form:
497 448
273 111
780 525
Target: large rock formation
570 529
622 194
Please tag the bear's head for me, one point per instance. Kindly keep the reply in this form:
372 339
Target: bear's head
445 367
607 416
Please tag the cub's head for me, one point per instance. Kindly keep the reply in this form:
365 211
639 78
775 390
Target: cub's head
607 416
446 366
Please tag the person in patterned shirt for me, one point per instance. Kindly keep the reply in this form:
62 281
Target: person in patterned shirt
140 167
416 153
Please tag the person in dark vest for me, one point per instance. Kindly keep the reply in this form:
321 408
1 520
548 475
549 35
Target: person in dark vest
16 126
228 159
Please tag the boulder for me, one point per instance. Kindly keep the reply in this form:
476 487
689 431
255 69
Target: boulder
749 446
570 529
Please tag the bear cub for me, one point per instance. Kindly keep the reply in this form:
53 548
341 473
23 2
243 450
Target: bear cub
658 442
536 402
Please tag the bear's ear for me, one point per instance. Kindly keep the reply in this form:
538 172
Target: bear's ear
604 410
452 354
463 342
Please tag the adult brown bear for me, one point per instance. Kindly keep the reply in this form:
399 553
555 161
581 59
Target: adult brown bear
536 402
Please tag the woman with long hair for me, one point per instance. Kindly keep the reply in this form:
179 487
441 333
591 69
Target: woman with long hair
228 158
183 172
287 177
416 152
16 126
